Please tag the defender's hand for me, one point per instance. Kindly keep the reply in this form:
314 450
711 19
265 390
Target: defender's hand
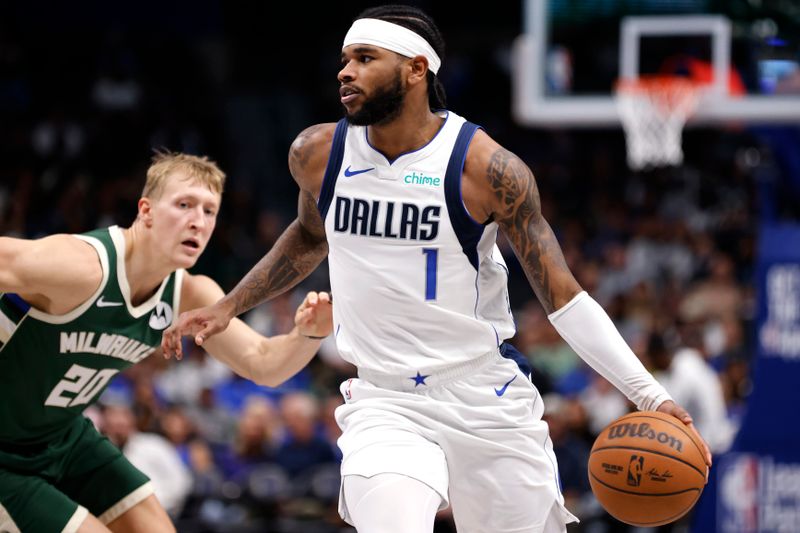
671 408
314 317
200 323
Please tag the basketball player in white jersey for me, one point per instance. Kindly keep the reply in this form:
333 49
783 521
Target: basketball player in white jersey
406 199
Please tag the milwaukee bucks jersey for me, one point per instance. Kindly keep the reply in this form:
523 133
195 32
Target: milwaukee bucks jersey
53 366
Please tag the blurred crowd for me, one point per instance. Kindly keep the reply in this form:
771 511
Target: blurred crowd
669 253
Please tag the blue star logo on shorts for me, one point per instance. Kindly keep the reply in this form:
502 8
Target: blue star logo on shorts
419 379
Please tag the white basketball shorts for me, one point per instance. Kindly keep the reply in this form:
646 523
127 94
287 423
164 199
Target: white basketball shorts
473 432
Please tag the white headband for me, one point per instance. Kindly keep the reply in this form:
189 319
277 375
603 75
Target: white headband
392 37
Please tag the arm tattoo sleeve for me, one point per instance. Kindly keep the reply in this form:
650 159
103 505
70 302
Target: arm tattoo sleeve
299 250
518 212
295 255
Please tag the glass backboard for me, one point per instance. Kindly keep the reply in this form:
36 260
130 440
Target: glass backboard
572 53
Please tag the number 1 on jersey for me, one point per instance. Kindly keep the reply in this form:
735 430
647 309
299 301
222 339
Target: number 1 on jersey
431 263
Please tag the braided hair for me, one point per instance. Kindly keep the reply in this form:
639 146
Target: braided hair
420 23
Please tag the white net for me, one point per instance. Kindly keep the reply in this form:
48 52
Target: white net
653 112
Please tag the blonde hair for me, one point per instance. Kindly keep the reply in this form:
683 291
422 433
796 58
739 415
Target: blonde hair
198 168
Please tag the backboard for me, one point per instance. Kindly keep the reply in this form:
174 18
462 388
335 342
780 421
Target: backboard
572 53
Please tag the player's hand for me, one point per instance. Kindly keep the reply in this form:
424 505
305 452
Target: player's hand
671 408
314 317
200 323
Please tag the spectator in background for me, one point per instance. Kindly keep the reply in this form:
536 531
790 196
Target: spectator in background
254 441
614 278
603 403
715 296
152 454
549 355
179 431
207 478
691 381
215 423
303 445
184 383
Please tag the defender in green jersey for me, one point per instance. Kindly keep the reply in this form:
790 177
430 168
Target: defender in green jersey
77 309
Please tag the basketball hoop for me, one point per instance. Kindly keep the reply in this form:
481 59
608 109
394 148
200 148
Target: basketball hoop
654 110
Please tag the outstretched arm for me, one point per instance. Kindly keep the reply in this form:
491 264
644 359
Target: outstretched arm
302 247
513 201
265 360
299 250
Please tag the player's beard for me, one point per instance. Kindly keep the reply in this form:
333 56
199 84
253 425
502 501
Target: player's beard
382 107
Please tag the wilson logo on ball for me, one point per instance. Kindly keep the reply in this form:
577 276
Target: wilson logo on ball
644 431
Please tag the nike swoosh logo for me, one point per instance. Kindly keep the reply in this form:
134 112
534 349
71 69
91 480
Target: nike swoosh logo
348 173
103 303
502 391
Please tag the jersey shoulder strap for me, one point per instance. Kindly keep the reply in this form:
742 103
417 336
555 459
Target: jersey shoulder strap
467 230
103 237
333 168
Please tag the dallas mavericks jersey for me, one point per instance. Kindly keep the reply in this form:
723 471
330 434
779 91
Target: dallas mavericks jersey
52 367
417 282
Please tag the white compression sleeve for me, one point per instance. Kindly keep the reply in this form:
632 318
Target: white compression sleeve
593 336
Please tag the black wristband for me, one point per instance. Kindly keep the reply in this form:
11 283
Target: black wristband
313 337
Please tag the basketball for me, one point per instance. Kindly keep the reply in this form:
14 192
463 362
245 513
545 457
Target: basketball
647 469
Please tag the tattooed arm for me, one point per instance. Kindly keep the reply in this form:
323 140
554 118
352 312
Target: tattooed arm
302 246
298 251
499 185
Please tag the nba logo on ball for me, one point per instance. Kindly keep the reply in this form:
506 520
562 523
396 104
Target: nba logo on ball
647 469
635 467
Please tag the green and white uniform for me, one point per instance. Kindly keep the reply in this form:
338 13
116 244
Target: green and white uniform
53 367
